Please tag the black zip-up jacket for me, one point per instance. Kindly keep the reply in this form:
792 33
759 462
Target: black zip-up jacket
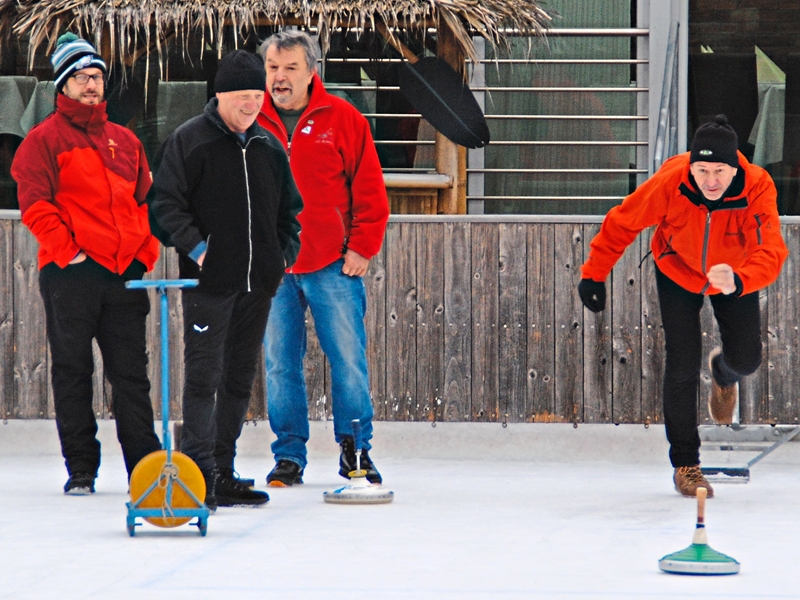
238 197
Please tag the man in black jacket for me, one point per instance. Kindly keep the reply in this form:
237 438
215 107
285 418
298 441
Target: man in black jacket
225 196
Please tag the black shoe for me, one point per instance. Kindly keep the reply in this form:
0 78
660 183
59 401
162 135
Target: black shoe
79 484
211 497
347 462
231 492
285 473
244 480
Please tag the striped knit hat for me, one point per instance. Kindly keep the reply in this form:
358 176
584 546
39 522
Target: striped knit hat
73 54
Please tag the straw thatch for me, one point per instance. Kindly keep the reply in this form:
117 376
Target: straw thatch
134 24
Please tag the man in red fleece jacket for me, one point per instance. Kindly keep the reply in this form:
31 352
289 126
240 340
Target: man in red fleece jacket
345 210
82 182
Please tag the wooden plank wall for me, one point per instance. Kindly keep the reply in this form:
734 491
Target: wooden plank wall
469 319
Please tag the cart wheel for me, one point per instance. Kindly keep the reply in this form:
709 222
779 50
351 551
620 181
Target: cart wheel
131 530
203 526
154 468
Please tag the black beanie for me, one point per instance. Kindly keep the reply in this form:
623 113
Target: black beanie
240 70
715 142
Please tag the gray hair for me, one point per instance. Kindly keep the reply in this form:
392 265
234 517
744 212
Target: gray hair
292 38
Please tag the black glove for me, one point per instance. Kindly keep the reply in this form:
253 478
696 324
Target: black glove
135 270
593 294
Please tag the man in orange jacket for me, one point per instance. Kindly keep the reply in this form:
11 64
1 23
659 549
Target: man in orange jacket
717 235
82 183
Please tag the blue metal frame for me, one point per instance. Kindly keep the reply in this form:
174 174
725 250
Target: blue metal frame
201 512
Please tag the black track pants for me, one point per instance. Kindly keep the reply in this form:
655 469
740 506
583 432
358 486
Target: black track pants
82 302
739 321
223 334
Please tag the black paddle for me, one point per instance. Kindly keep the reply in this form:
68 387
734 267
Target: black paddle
440 95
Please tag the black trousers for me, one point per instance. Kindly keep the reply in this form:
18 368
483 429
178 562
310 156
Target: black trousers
739 321
82 302
223 333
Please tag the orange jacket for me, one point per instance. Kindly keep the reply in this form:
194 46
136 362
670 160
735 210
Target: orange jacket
744 231
82 183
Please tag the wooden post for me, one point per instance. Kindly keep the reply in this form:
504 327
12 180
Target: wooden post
461 186
447 164
451 158
105 50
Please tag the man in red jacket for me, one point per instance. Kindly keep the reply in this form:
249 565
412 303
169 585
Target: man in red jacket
82 182
717 235
345 210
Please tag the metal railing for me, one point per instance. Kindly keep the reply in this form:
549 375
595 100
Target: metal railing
508 168
589 175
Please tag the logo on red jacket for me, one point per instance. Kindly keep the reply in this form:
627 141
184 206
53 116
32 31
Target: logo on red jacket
326 137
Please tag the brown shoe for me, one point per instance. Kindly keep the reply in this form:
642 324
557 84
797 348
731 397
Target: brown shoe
723 402
688 479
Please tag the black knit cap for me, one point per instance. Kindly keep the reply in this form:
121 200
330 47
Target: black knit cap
240 70
715 142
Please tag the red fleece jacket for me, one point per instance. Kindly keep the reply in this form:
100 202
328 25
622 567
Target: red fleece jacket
336 168
82 183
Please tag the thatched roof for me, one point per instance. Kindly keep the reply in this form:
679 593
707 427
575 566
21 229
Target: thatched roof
129 24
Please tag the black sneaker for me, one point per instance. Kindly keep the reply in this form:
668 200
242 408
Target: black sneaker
211 497
244 480
285 473
231 492
347 462
79 484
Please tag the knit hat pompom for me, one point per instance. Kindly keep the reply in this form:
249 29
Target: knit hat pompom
73 54
66 38
715 142
240 70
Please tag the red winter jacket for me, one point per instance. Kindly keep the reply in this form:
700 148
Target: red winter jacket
743 231
82 182
336 168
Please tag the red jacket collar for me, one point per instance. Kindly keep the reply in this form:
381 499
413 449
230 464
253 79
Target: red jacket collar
90 117
319 95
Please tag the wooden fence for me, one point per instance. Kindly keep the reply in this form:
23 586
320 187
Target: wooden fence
469 319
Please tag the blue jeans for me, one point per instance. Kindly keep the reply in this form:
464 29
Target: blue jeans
338 304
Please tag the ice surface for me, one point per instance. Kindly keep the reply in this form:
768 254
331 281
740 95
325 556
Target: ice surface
479 512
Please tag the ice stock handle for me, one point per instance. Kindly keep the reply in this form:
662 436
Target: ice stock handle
357 434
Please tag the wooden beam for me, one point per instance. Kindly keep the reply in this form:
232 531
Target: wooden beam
461 186
452 201
419 24
105 50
